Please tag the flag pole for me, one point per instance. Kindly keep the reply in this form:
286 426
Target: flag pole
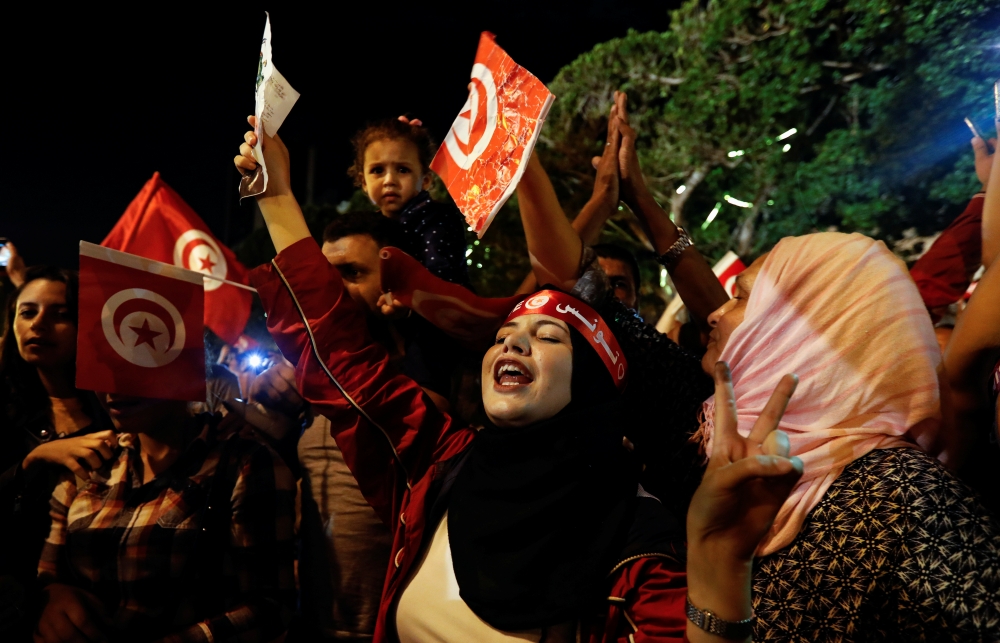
230 283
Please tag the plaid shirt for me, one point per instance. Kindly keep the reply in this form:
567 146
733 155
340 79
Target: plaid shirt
150 553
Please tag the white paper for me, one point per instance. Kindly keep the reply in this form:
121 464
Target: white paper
275 98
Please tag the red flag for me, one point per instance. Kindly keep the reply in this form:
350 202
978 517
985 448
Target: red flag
727 270
159 225
139 330
455 310
484 154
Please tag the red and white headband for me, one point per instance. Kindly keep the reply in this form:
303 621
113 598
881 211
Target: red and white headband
584 319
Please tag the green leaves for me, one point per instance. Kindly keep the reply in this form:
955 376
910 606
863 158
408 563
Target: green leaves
876 89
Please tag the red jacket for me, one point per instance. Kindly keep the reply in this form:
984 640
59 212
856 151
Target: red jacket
942 274
400 447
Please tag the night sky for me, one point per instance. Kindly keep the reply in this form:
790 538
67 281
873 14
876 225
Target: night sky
96 101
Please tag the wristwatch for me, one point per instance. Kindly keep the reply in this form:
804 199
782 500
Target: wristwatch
706 620
669 258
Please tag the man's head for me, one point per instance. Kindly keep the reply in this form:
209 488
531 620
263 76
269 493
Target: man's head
622 270
351 243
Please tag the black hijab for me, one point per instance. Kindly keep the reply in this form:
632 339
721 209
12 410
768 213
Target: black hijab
538 514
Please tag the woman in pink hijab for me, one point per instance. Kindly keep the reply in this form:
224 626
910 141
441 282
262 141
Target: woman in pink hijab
878 541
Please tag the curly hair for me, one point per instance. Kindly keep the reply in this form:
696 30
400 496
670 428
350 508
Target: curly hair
390 129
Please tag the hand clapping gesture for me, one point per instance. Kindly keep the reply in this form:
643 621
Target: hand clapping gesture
745 484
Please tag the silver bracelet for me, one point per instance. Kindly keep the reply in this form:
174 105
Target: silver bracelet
712 624
669 258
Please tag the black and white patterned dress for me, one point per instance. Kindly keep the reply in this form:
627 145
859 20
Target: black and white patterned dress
897 550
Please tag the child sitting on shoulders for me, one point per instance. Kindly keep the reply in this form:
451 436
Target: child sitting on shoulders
392 165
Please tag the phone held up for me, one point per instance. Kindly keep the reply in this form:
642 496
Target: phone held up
4 253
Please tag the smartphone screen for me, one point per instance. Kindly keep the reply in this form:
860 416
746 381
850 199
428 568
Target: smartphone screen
4 254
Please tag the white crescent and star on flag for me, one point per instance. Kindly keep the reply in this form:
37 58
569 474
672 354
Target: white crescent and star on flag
146 336
198 251
473 130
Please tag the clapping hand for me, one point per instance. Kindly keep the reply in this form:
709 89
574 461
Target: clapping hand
606 181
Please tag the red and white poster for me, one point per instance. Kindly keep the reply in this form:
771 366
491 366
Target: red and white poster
485 151
727 270
139 330
159 225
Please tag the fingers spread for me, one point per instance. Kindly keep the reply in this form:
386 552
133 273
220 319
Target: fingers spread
725 411
775 408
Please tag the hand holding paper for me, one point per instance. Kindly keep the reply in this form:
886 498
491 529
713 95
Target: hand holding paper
275 98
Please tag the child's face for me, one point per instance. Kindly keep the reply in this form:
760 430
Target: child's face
393 174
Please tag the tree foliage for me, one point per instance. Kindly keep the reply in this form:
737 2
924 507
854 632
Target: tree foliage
875 89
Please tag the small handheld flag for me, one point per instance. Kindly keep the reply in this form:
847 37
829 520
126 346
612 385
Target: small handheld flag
139 330
159 225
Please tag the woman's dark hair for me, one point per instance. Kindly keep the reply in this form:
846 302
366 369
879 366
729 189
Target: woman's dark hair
21 392
393 130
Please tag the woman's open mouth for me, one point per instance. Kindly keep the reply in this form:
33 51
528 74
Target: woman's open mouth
509 374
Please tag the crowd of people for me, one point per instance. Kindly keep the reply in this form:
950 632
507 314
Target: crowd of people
816 462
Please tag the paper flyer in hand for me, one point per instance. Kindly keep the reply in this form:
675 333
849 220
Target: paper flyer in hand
275 98
485 152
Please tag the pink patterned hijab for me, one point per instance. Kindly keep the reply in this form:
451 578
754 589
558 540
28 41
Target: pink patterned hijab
841 312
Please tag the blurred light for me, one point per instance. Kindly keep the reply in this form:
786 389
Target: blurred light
621 207
255 360
479 265
468 251
737 202
468 262
785 135
470 228
681 189
663 277
735 153
476 242
711 215
770 202
787 147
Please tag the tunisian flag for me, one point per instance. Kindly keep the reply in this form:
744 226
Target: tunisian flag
484 154
727 270
159 225
458 312
139 330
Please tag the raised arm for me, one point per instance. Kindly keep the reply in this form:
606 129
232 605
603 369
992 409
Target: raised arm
550 242
989 175
605 197
388 430
554 247
386 427
281 211
972 352
696 284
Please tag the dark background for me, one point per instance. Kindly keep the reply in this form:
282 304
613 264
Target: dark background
96 101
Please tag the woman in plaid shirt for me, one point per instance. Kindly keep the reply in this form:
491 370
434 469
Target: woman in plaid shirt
183 535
